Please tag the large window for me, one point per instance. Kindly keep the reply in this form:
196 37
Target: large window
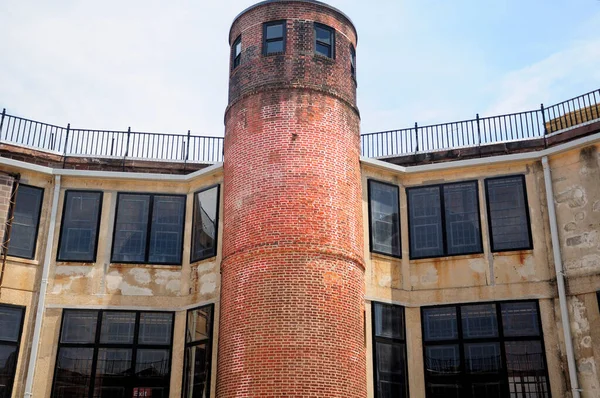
113 354
507 213
26 221
274 37
389 346
324 40
206 222
148 229
444 220
198 353
384 218
236 52
490 350
11 326
79 229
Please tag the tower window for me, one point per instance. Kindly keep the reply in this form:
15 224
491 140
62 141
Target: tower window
352 61
236 51
324 40
274 37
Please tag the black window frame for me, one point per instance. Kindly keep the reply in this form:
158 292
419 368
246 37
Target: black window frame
443 220
370 211
353 62
12 210
236 59
463 375
16 344
283 37
97 345
331 38
149 229
194 212
388 340
209 345
526 208
62 226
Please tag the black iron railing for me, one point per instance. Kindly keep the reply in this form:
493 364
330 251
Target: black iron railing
534 124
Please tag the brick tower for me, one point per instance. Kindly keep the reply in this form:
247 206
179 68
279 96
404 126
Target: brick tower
292 318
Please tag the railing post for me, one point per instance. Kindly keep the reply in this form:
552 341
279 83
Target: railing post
478 131
545 128
187 147
67 140
2 122
416 138
127 144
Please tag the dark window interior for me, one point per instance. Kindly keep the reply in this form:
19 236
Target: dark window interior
389 343
149 229
206 222
484 350
198 353
508 214
25 224
113 354
274 37
444 220
236 51
353 61
79 228
384 218
324 40
11 326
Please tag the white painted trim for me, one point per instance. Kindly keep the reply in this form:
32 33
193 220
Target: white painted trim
130 307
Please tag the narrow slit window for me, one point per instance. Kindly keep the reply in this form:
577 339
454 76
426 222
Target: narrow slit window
205 228
274 37
324 40
198 352
384 215
352 61
236 52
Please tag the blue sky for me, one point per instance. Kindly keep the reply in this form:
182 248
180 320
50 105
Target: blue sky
163 66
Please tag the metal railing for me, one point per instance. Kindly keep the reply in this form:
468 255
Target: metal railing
512 127
534 124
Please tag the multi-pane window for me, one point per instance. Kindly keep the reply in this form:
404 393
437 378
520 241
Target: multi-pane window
352 61
324 40
198 353
26 221
384 218
274 37
206 221
11 326
148 229
444 220
389 345
79 229
490 350
236 52
508 214
113 354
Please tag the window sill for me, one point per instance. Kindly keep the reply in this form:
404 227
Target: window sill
324 58
144 265
21 260
63 263
447 258
512 253
388 257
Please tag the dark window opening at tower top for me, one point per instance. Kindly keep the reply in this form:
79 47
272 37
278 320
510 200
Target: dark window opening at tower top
324 40
274 37
352 61
237 51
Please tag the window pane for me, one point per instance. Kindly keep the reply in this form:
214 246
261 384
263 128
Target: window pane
155 328
8 365
23 233
447 388
479 321
274 46
79 226
199 324
526 369
323 35
274 31
508 213
117 327
167 229
238 48
442 359
131 228
425 222
113 369
152 363
520 319
389 320
440 324
462 218
10 323
79 326
205 227
73 372
197 371
483 358
385 218
491 389
391 370
323 50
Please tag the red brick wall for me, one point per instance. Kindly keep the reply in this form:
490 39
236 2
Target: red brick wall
292 321
6 186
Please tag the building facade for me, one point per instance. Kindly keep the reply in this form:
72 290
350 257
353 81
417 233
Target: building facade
454 265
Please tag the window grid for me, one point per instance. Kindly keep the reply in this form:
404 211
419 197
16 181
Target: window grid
273 41
352 62
91 366
11 328
444 220
205 231
384 222
463 365
21 237
193 343
78 240
236 52
324 40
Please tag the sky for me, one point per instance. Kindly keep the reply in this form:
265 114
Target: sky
162 66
